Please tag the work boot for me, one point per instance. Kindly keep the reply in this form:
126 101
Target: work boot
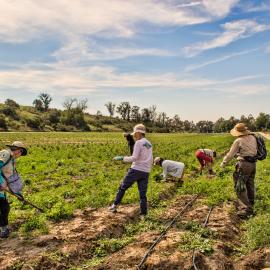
113 208
4 233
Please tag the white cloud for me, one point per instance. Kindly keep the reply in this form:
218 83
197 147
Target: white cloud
65 80
219 8
81 51
233 31
23 20
251 7
218 60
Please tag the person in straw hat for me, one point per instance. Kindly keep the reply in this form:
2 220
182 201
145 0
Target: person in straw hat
142 159
244 147
9 179
172 170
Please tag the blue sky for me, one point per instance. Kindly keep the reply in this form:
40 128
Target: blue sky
200 59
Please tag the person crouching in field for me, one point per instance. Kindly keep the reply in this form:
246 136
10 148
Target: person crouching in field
206 159
142 159
244 146
172 170
9 179
130 142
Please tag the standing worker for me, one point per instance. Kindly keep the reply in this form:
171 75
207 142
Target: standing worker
206 159
171 169
130 141
142 159
9 179
245 148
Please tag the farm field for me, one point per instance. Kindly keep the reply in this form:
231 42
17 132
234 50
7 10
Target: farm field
73 178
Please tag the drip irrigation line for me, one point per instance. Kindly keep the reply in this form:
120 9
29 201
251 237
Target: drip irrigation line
204 225
165 231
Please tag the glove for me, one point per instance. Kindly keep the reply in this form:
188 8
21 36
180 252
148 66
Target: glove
118 158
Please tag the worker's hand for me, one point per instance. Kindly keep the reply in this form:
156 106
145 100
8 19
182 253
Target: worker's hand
118 158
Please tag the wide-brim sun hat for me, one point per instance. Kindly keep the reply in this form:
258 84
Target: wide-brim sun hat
18 145
157 160
140 128
240 129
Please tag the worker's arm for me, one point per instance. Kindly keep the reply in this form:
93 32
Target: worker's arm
165 171
233 151
136 153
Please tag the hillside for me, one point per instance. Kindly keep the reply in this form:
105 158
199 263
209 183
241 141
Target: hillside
27 118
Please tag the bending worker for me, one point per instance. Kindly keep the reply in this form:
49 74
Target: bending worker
206 159
172 170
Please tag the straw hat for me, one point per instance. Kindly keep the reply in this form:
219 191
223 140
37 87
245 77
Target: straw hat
18 145
139 128
157 160
240 130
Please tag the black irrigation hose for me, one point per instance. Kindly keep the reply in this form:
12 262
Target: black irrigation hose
204 225
165 231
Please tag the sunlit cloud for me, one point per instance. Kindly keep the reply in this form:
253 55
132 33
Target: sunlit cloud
233 31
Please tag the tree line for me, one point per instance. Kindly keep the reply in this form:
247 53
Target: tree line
122 116
161 120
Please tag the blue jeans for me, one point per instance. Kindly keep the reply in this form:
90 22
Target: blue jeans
142 181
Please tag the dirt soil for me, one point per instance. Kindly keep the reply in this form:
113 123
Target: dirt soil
167 254
71 242
67 242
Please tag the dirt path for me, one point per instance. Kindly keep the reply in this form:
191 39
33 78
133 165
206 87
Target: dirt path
167 254
71 240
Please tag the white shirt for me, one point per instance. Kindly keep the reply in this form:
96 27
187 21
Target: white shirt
142 157
172 168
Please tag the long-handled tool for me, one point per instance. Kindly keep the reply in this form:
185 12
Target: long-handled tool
21 198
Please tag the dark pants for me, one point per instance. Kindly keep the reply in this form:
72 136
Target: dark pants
142 181
4 211
245 171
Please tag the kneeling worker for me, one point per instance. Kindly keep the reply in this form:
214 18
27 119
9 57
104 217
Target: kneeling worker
172 170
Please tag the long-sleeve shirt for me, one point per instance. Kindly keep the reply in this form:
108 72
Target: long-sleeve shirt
142 157
172 168
242 147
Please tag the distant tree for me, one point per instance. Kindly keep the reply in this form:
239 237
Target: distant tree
205 126
145 115
124 109
74 114
46 99
262 122
177 123
38 105
82 104
152 113
111 108
69 103
11 103
135 114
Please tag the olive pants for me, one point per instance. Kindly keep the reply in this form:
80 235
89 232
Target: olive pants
244 184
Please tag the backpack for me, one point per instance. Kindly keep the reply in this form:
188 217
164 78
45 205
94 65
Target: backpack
261 148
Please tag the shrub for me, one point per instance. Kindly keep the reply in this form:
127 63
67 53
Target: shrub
3 123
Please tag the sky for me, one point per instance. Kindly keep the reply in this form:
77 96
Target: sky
200 59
